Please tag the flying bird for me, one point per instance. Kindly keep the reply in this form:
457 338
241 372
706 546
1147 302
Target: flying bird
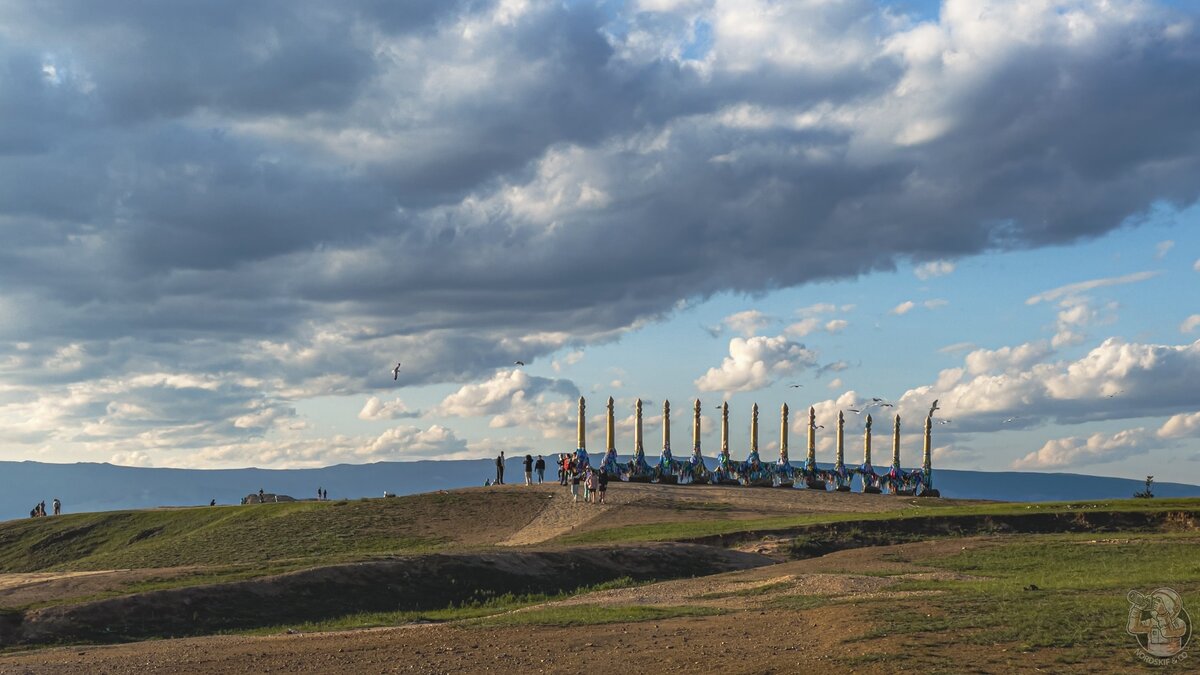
793 386
518 363
1011 419
818 426
943 421
1119 391
933 407
855 411
396 372
877 400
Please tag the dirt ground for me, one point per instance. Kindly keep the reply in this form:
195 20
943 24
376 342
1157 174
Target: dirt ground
641 503
753 637
29 588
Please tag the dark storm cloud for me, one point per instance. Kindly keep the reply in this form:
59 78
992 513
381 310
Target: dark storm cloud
304 190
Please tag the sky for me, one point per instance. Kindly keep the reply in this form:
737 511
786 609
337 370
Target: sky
224 223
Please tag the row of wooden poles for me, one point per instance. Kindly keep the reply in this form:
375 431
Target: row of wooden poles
926 460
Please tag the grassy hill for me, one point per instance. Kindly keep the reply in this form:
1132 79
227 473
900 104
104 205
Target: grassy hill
297 532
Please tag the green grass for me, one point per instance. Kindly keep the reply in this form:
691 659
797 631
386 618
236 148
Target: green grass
755 591
477 608
590 615
905 509
254 534
1080 604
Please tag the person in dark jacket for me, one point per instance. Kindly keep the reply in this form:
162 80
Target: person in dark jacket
540 467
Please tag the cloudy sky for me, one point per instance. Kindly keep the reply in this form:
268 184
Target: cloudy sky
222 224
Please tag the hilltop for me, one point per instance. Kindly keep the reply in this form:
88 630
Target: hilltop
87 487
489 565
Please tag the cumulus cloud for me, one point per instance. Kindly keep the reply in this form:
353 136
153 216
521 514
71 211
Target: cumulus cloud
1183 425
1189 324
1077 450
285 192
375 409
1115 380
1161 249
754 363
903 308
134 458
748 322
1007 359
503 391
936 268
570 359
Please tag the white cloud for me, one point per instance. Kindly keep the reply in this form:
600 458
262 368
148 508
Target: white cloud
803 327
836 325
1196 265
1115 380
1161 249
755 363
132 458
821 308
748 322
936 268
957 347
570 359
835 383
1095 449
375 409
1182 425
903 308
1082 286
1189 324
935 303
506 389
1007 359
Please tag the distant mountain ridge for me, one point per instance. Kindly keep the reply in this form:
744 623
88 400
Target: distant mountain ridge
104 487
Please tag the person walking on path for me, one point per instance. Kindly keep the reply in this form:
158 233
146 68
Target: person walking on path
602 485
57 507
574 485
540 467
499 470
528 462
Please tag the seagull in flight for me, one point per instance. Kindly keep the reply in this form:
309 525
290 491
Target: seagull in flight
396 372
518 363
1119 391
855 411
793 386
1011 419
943 421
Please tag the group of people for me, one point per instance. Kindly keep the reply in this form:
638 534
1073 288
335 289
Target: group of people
593 481
40 508
530 467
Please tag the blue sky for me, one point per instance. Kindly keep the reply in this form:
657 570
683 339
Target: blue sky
224 224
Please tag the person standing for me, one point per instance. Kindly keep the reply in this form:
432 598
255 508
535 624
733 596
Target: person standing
57 507
540 467
574 478
528 469
499 469
602 485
